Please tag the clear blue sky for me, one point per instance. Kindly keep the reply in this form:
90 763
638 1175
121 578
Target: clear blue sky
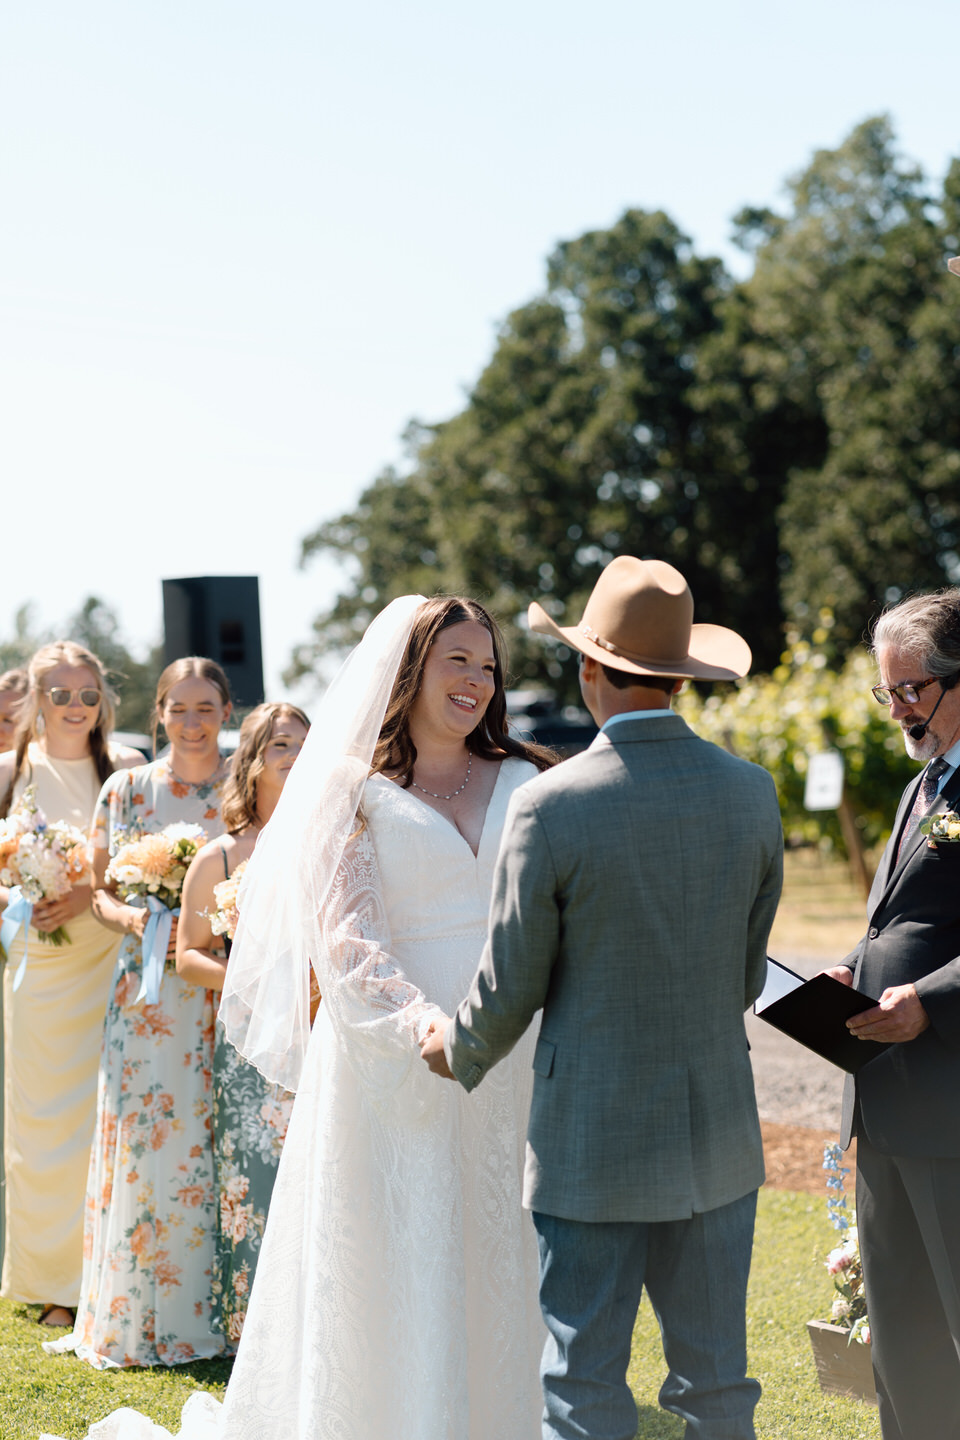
244 243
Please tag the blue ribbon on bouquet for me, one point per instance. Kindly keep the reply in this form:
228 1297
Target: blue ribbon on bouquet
19 912
153 949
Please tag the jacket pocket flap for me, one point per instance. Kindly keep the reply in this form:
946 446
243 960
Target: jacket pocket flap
543 1056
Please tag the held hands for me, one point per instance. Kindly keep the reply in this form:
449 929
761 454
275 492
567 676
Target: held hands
431 1049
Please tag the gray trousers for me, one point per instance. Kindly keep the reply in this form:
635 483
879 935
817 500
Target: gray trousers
592 1275
908 1215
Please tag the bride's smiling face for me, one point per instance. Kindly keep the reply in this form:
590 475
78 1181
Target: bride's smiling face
457 683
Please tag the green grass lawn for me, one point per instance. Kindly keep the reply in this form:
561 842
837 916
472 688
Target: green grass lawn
788 1287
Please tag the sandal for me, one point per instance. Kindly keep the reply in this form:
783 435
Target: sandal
50 1310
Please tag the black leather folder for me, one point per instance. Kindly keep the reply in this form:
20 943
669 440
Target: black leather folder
814 1012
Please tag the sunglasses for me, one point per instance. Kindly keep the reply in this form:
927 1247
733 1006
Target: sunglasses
59 695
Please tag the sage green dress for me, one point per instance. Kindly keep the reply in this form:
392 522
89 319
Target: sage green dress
250 1118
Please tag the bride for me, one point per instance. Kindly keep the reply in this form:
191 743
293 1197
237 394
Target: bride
396 1294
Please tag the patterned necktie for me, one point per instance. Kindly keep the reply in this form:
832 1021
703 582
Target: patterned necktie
926 794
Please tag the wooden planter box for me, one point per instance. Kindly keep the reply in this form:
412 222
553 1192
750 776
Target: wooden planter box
842 1369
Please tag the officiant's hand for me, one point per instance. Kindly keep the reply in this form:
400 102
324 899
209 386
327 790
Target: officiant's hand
843 973
431 1049
899 1016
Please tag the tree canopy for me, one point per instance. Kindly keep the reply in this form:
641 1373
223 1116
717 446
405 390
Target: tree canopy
96 626
790 441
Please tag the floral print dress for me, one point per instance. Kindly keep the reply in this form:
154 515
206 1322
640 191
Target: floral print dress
148 1257
250 1119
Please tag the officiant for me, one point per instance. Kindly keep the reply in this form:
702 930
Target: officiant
902 1106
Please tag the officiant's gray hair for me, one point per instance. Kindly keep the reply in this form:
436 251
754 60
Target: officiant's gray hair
927 626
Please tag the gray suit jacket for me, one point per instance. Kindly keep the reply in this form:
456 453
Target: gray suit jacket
633 896
906 1100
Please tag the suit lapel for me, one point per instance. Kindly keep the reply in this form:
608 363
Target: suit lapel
892 867
888 861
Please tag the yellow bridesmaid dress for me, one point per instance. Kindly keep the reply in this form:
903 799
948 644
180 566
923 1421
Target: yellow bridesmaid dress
52 1032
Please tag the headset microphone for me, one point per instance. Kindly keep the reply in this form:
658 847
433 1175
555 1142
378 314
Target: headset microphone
917 732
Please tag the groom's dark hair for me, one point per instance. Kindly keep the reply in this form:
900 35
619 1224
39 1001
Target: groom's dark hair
626 679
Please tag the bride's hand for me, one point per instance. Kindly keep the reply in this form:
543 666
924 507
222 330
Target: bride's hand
431 1049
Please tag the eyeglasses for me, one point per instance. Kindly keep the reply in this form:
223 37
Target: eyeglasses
59 695
906 694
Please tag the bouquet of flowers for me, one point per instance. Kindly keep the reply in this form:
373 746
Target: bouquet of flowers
153 867
843 1263
155 864
223 919
40 860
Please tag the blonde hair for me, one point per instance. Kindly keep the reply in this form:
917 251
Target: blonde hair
186 668
47 658
238 809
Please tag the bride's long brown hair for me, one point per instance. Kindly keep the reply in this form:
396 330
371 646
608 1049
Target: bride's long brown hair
395 752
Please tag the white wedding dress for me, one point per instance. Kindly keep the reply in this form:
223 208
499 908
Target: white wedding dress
396 1293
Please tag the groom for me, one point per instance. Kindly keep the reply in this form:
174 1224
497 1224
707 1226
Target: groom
635 889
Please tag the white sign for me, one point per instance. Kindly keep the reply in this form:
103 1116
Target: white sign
824 787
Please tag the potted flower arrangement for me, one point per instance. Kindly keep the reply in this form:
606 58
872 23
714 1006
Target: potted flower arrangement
841 1345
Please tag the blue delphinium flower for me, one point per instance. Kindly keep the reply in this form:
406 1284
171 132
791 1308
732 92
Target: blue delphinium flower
837 1200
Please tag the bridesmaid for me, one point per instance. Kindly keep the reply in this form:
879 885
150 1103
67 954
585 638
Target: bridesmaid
54 1020
148 1233
13 687
250 1116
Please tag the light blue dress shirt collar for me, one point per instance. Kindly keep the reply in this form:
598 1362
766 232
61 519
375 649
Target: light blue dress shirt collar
952 758
634 715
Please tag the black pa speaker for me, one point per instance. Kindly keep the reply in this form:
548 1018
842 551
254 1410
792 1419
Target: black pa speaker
217 616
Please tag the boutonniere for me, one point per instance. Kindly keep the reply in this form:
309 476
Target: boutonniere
941 829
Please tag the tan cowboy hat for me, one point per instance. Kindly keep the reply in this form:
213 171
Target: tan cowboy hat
640 618
953 265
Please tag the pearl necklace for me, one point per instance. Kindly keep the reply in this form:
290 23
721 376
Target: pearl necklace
433 794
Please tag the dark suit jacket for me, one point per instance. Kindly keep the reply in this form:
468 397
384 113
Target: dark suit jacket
907 1100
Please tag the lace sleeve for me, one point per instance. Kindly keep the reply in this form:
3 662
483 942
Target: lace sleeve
370 1002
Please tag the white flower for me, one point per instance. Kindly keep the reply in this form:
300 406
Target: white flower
182 831
128 874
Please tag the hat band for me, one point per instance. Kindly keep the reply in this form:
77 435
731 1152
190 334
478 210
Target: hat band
591 634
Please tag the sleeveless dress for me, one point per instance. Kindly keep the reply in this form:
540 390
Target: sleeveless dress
250 1120
52 1030
148 1232
396 1294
